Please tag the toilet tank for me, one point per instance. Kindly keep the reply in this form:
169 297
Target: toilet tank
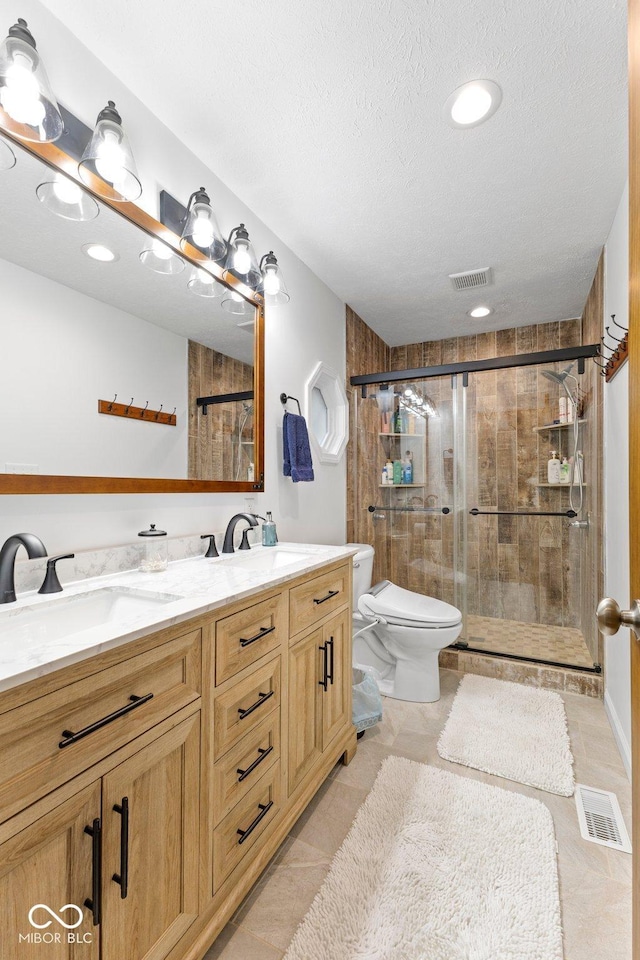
362 570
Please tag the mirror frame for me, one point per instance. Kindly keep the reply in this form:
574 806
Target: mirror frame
20 483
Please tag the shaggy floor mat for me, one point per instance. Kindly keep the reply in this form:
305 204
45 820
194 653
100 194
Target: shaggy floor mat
510 730
438 867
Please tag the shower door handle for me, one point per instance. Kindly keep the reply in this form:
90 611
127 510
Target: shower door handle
610 617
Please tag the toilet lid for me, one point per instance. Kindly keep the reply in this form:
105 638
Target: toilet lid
405 608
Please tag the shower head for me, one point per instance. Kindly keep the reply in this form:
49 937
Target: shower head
559 377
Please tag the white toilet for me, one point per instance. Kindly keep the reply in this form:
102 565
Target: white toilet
404 644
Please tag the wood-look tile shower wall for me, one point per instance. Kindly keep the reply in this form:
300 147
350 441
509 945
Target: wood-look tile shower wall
520 568
213 440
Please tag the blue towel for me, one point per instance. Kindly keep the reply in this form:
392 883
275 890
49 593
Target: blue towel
297 454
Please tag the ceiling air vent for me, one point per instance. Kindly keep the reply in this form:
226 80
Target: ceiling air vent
471 279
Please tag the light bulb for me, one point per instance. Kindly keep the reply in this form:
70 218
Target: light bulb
204 277
97 251
236 296
202 235
21 95
111 158
241 259
271 282
471 105
408 392
161 250
66 190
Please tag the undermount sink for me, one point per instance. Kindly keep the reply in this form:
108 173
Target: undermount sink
56 619
271 558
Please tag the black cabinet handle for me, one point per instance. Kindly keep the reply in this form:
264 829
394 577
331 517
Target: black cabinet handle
71 737
123 877
94 902
264 810
330 670
325 667
245 641
263 752
332 593
262 697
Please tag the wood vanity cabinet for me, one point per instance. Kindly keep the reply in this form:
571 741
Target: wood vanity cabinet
151 784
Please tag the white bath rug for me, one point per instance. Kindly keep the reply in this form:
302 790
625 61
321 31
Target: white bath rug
438 867
512 731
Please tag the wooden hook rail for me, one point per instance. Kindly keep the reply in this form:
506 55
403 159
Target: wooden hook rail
617 359
113 409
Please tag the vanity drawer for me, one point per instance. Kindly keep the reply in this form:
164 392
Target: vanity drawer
243 827
244 705
313 600
248 635
242 766
48 741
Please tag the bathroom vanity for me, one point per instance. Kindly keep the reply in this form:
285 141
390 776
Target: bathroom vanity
151 779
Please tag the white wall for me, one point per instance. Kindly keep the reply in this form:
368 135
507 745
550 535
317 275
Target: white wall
309 329
616 485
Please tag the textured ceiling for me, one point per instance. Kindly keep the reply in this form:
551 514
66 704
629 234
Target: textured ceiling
337 138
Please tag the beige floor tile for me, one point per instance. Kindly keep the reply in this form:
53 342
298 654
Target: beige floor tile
328 819
363 769
236 944
596 916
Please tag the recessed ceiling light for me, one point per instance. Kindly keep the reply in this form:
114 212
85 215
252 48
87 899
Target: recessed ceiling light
97 251
473 103
478 312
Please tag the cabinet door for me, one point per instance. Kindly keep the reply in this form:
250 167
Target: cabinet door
50 863
150 830
336 700
305 706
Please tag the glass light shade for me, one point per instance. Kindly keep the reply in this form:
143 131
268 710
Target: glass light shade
241 261
273 286
28 108
201 229
234 303
7 156
65 198
108 157
202 284
160 258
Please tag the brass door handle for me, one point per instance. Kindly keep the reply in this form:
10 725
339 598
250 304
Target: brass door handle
610 617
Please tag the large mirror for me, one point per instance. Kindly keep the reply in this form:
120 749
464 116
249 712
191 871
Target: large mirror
106 364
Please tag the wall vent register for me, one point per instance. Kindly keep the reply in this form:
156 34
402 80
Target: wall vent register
601 819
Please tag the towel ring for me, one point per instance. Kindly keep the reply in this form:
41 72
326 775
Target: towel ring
283 400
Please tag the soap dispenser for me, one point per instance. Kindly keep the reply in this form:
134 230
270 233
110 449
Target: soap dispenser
553 468
269 535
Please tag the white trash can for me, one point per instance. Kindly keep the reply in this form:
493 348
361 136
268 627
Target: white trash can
367 702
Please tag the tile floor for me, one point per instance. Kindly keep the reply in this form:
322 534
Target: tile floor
595 882
538 640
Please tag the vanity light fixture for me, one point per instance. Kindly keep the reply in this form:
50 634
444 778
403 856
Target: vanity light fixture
108 157
473 103
241 261
98 251
234 303
273 285
160 258
28 108
65 198
7 156
478 312
202 284
201 228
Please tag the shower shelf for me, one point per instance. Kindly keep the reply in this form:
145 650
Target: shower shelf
413 435
396 486
555 426
560 486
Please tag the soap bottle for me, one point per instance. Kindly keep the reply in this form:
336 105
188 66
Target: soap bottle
389 471
269 535
553 468
407 468
564 471
397 471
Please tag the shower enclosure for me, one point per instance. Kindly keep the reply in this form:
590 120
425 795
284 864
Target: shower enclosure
473 517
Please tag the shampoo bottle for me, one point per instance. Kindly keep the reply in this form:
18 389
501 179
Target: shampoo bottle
397 471
389 471
564 471
269 535
553 468
407 468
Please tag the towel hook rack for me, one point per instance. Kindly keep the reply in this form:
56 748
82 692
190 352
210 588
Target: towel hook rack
283 400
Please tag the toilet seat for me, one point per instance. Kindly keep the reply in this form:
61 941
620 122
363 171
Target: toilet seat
405 608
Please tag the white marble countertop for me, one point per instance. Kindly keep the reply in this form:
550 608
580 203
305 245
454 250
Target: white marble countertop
28 650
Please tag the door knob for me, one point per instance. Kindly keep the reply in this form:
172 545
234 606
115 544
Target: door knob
610 617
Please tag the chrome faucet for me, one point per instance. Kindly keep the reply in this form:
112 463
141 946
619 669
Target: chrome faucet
227 547
34 547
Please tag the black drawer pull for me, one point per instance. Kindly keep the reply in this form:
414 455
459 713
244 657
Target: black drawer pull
123 877
71 737
325 667
330 669
332 593
262 698
263 752
244 642
94 902
264 810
